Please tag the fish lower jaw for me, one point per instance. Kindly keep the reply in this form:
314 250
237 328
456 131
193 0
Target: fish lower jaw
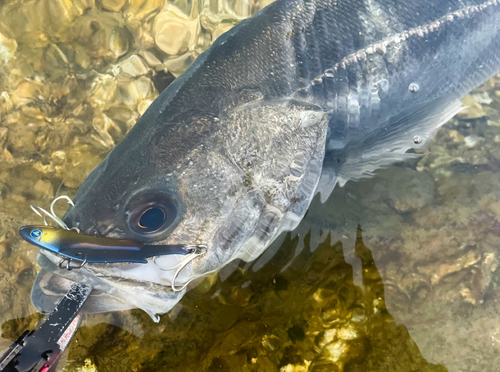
157 271
115 287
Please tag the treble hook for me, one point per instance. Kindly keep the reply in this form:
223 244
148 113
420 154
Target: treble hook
38 209
198 250
52 213
68 262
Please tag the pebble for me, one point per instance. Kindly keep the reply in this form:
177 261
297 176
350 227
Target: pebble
335 350
45 188
174 32
113 5
5 103
470 141
143 105
131 92
88 366
3 137
491 204
7 48
483 98
472 110
178 64
133 66
468 259
118 42
152 60
103 89
296 367
140 9
108 130
7 155
408 190
3 247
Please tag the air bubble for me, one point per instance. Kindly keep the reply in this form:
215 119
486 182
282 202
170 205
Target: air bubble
417 140
413 87
384 85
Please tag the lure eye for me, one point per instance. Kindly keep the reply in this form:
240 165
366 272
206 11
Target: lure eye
152 219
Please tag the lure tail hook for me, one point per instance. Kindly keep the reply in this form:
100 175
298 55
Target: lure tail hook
198 250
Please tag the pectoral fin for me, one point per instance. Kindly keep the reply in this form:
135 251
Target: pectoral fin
386 145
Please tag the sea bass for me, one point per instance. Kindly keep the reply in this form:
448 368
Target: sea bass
305 95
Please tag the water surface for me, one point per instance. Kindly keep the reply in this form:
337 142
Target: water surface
395 273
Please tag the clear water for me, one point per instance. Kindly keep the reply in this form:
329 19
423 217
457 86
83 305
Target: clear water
395 273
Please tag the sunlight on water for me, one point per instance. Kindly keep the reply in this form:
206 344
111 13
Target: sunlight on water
419 294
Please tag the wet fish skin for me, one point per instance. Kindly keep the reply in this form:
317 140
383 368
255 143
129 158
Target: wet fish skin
301 96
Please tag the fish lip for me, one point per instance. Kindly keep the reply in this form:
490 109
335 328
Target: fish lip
47 261
45 296
110 293
107 277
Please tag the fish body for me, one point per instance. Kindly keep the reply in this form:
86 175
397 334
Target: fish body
304 95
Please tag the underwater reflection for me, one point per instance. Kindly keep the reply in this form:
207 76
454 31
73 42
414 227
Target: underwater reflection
71 89
307 315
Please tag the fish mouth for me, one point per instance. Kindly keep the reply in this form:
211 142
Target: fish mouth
112 290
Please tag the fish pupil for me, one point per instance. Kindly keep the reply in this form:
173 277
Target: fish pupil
151 219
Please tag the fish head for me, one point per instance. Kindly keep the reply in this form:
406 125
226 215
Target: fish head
229 182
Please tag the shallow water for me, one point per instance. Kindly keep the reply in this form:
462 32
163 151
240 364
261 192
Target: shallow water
415 288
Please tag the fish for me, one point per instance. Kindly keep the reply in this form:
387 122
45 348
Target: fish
301 97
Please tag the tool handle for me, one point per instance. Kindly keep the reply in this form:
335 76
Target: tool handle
39 350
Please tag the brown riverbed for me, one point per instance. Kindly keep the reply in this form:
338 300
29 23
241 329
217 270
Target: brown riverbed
404 269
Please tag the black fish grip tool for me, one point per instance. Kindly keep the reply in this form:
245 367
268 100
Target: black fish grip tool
39 350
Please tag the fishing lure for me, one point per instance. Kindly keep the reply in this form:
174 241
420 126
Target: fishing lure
95 249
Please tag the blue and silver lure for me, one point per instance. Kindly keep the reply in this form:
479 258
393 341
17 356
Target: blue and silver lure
96 249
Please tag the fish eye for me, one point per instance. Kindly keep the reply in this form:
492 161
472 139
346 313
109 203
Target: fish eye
149 218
